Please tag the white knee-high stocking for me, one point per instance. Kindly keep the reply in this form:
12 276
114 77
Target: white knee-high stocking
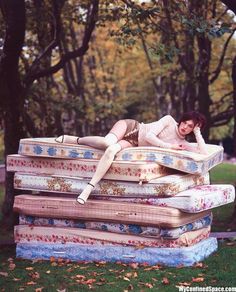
103 166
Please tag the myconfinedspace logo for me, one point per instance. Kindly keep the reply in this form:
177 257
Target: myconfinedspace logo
206 289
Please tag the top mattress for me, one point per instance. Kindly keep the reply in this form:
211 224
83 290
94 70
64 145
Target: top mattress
177 159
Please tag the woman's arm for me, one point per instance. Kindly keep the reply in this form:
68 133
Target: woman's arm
201 145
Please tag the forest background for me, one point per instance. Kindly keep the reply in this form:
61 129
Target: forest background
76 67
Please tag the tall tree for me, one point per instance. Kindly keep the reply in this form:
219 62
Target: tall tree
13 87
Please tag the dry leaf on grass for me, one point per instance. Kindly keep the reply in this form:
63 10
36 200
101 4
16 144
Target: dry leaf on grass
29 268
165 281
31 283
184 284
197 280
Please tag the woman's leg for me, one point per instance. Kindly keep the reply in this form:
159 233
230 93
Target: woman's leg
102 168
116 134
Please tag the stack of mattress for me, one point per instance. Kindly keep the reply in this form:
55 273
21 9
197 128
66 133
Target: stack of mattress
153 206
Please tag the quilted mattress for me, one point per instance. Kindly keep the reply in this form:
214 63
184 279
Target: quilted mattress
122 170
196 199
183 256
182 160
148 231
164 186
97 210
25 233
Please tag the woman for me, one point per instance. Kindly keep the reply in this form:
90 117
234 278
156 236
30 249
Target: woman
165 133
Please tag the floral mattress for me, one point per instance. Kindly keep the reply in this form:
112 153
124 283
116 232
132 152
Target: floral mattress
34 234
183 256
122 170
148 231
193 200
181 160
164 186
99 210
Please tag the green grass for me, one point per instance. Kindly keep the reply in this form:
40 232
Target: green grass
24 275
224 173
218 270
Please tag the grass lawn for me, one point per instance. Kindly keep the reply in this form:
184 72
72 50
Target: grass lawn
218 270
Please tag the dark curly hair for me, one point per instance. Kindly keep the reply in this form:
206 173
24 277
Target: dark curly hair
197 118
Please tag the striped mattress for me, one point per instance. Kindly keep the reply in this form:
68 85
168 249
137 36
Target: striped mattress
97 210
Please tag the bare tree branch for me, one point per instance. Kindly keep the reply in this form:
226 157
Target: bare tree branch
218 68
91 21
57 29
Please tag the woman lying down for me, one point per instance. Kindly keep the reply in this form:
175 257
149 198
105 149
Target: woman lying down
165 133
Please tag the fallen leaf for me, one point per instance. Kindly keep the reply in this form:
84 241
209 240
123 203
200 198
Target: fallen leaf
31 283
16 279
90 281
34 275
197 280
52 259
29 268
40 289
130 287
126 279
230 243
4 274
165 281
134 265
184 283
80 277
198 265
48 272
149 285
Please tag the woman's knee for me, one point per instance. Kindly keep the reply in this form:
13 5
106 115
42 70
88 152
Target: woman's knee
112 150
110 139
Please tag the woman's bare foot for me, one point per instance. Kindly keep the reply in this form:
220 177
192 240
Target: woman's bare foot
67 139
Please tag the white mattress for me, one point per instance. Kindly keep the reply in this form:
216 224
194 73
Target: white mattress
121 170
164 186
196 199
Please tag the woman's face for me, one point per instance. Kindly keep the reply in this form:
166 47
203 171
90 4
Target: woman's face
186 127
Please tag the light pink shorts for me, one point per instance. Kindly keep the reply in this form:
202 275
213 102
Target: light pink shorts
126 132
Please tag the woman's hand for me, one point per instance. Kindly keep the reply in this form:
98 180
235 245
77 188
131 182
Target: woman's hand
196 129
178 147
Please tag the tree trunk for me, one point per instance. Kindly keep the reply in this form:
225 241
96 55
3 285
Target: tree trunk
234 101
11 89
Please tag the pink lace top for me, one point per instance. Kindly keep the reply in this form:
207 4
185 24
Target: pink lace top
164 133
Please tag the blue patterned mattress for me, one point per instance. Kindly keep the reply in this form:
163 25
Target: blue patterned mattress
184 256
181 160
158 232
